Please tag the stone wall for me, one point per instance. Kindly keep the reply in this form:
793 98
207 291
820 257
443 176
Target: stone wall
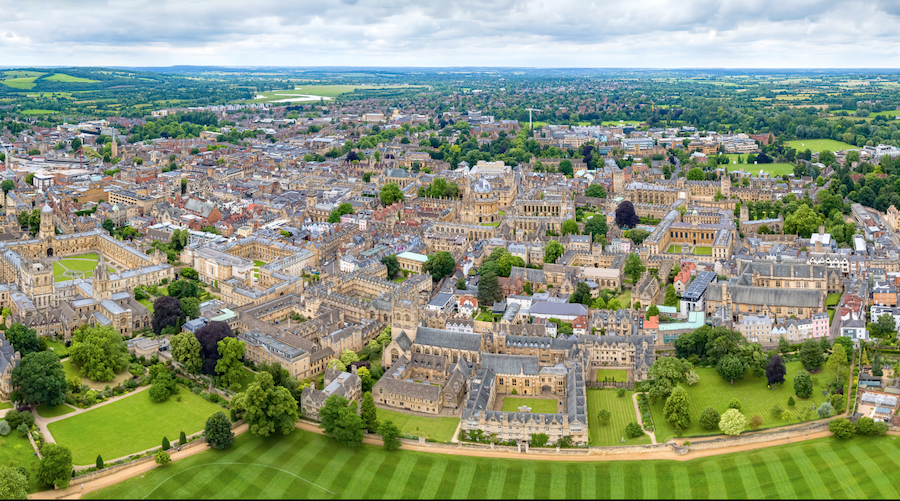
759 437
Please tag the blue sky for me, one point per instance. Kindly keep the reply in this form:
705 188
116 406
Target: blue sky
557 33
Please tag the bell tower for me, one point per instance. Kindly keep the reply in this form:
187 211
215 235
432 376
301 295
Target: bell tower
47 230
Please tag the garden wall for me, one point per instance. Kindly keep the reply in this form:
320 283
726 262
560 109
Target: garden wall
759 437
94 475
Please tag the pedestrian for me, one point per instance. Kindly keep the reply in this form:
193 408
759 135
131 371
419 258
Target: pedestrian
789 439
807 436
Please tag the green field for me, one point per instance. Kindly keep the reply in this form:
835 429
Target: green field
62 77
39 112
83 264
440 429
304 465
703 251
773 169
59 410
756 399
17 451
617 375
326 91
674 249
621 410
832 299
148 304
817 145
5 405
21 79
246 378
538 405
131 425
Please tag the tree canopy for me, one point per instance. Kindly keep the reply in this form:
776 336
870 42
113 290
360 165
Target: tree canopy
99 352
440 264
40 379
626 217
267 408
209 336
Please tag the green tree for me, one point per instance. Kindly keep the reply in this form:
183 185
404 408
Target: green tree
340 421
595 190
99 352
709 419
162 385
7 186
837 363
569 227
99 462
677 409
23 339
165 444
664 374
390 193
265 407
811 355
190 307
218 431
393 266
803 385
634 267
733 422
552 251
638 235
783 346
348 357
390 435
56 466
13 484
652 311
731 367
603 416
695 174
841 428
489 290
335 216
440 264
109 226
633 430
671 299
39 379
596 226
162 458
186 351
369 412
367 177
804 222
229 367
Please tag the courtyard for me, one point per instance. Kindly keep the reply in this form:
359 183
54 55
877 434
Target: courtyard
80 266
545 403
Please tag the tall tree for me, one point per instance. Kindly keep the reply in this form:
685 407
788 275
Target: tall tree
837 363
595 190
209 336
775 370
552 251
803 385
671 299
393 267
186 351
626 217
596 226
440 264
665 373
634 267
811 355
13 484
489 290
390 193
166 312
569 227
218 431
731 367
369 412
804 222
56 466
23 339
39 379
389 435
229 367
733 422
100 352
266 408
339 420
677 409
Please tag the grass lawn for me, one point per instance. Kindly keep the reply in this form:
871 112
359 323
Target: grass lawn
816 145
715 392
774 169
79 264
58 348
491 224
625 298
436 428
39 112
259 263
621 410
50 412
247 378
131 425
538 405
304 465
17 451
674 248
148 304
703 251
21 80
72 371
617 375
5 405
832 299
62 77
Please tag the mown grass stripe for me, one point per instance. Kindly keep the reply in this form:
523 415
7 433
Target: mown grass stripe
861 471
450 478
698 480
365 477
397 482
464 480
588 482
526 489
542 478
801 487
713 471
746 470
806 468
781 481
494 488
839 471
433 478
681 482
559 477
616 481
378 486
825 476
416 478
513 484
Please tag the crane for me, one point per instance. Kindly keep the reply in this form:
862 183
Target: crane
530 123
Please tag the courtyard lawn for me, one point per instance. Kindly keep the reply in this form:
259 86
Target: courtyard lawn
756 399
674 249
817 145
258 263
5 405
538 405
147 304
51 412
621 410
131 425
832 299
247 377
703 251
304 465
17 451
617 375
58 348
79 264
440 429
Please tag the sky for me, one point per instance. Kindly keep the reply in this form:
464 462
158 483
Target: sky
437 33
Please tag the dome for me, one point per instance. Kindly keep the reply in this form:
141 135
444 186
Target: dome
482 186
46 208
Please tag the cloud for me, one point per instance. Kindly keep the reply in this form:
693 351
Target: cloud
544 33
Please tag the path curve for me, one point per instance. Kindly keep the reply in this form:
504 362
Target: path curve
640 418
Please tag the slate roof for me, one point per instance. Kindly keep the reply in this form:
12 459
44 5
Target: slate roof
511 364
448 339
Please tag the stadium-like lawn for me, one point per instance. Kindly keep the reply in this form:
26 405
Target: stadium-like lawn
617 375
756 399
17 451
51 412
538 405
621 410
816 145
304 465
703 251
131 425
440 429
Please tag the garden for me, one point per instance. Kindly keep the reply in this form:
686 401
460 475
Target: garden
538 405
611 431
613 375
439 429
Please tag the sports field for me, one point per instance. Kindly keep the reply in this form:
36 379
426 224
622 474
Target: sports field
538 405
313 93
304 465
621 412
773 169
131 425
817 145
617 375
756 399
440 429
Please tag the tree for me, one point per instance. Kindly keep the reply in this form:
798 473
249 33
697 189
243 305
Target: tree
811 355
775 370
218 431
23 339
7 186
638 235
755 422
99 352
393 267
209 336
229 367
868 426
390 193
162 458
692 378
340 421
165 444
652 311
665 373
837 362
841 428
367 177
40 379
634 267
190 307
709 419
56 466
489 290
569 227
109 226
342 209
671 299
825 410
13 484
166 312
162 386
882 327
440 264
626 217
596 226
186 351
369 412
603 416
184 289
389 435
633 430
677 409
182 438
595 190
733 422
695 174
783 345
99 462
803 384
265 407
539 439
847 343
734 404
552 251
804 222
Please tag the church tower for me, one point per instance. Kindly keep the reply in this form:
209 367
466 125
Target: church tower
47 230
725 187
618 181
114 148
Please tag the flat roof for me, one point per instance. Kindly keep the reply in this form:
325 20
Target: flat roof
413 256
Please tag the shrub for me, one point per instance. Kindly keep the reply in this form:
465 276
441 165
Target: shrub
165 444
825 410
777 411
620 392
755 422
4 428
868 426
539 439
733 422
709 419
633 430
514 392
162 458
791 402
842 428
838 402
23 430
14 418
734 404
